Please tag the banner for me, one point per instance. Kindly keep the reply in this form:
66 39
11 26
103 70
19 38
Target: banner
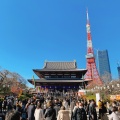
97 97
38 89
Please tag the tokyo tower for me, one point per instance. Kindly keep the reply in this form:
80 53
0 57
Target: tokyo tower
92 73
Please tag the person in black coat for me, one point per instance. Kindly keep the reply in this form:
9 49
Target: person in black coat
50 113
92 110
12 115
31 110
79 113
56 107
103 112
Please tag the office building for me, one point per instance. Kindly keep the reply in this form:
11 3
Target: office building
118 72
104 66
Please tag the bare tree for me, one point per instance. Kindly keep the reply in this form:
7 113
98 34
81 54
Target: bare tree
11 80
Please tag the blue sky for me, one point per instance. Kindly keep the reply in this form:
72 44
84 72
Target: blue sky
32 31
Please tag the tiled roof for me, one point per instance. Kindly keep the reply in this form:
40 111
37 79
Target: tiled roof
60 65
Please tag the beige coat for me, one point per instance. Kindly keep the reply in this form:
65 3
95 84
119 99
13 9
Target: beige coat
63 115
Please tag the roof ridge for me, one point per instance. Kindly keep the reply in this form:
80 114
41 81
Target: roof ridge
60 61
63 65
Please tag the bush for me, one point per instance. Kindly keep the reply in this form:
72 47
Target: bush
22 97
25 96
89 97
28 95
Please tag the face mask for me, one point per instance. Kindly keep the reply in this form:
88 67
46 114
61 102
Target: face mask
80 107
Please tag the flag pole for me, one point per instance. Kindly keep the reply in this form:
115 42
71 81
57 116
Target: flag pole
33 81
83 81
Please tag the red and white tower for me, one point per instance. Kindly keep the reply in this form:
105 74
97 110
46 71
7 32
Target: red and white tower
92 72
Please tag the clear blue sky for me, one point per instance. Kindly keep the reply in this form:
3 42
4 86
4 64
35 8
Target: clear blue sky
32 31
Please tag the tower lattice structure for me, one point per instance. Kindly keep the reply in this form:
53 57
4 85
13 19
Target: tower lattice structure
92 72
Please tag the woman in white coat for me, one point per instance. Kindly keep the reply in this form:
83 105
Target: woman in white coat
38 112
115 115
63 114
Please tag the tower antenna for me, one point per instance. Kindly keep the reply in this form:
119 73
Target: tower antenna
87 16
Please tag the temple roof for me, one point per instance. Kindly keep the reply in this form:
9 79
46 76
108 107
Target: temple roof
60 65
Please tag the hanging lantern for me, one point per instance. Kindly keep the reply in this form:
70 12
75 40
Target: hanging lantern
112 86
118 85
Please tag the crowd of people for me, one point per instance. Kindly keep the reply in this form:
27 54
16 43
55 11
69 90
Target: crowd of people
52 108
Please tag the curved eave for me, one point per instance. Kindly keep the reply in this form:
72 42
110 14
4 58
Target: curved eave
59 70
57 81
40 72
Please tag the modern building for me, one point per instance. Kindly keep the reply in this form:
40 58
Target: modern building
104 65
59 76
118 72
